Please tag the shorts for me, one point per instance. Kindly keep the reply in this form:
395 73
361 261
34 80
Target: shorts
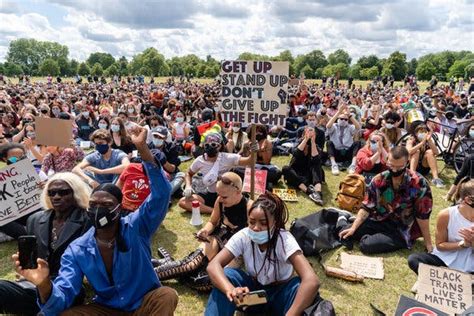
209 198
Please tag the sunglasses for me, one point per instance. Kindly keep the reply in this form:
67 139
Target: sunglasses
213 145
61 192
227 181
343 119
373 141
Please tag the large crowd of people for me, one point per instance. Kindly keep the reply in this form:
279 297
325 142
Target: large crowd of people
106 194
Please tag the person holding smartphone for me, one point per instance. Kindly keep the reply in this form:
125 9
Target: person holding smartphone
64 198
270 254
114 254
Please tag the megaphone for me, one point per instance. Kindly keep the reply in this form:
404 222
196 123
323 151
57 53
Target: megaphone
196 219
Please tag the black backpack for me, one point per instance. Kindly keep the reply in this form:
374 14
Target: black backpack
318 231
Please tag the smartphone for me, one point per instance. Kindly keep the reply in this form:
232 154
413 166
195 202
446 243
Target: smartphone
254 298
28 252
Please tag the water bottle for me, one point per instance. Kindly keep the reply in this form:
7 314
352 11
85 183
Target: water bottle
196 219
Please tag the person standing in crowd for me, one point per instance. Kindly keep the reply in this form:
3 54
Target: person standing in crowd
271 255
342 146
105 163
208 167
305 171
396 209
119 286
454 236
228 216
65 199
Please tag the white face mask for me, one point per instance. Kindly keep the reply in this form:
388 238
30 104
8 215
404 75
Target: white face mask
235 129
420 136
389 126
471 133
103 125
342 123
131 110
158 142
115 128
179 119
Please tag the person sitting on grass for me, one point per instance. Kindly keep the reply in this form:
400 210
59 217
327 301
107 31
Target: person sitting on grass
423 152
105 163
372 158
114 255
209 166
305 171
227 218
271 255
64 199
454 236
396 209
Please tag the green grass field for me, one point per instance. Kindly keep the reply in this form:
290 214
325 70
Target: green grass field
175 234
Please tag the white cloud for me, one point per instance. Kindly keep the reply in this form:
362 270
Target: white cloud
224 29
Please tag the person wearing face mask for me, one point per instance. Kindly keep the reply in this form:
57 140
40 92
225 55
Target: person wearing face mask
372 158
423 152
271 255
129 125
105 164
236 138
105 252
228 216
85 124
34 152
342 146
390 128
454 236
55 110
208 167
170 157
120 138
395 211
180 128
103 123
64 199
294 123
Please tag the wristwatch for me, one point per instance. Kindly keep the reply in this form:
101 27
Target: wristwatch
463 244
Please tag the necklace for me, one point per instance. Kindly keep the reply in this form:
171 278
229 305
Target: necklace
107 243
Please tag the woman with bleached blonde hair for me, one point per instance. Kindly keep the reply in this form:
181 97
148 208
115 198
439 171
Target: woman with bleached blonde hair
65 198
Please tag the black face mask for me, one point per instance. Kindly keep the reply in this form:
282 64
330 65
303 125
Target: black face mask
470 204
210 151
259 137
102 217
397 173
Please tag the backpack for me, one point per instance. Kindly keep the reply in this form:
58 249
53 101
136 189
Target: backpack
351 193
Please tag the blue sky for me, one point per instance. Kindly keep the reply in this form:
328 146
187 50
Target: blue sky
226 28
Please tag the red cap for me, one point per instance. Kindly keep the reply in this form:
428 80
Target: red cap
195 203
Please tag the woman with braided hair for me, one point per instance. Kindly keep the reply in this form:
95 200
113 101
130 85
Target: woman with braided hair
271 255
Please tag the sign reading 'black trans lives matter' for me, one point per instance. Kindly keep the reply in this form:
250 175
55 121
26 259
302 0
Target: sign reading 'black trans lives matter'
254 92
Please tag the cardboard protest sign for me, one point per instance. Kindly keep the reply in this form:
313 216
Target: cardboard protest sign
19 192
288 195
254 92
53 132
368 267
293 82
260 181
411 307
443 288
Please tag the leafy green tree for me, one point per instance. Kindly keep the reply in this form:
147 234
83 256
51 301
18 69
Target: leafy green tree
12 69
339 56
83 69
368 61
123 66
148 63
97 70
73 67
396 65
49 67
307 71
469 71
354 71
112 70
425 70
252 56
412 66
369 73
315 59
458 69
104 59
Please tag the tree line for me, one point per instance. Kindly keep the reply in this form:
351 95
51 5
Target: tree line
42 58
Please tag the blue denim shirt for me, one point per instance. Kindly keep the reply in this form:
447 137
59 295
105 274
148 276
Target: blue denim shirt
132 271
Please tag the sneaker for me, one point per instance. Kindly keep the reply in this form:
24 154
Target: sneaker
351 169
335 170
316 198
438 183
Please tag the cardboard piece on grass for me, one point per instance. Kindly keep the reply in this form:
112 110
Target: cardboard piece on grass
446 289
287 195
260 181
20 193
53 132
410 307
368 267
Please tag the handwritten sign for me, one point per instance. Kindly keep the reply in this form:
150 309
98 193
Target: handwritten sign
293 82
19 192
254 92
288 195
260 181
368 267
443 288
411 307
53 132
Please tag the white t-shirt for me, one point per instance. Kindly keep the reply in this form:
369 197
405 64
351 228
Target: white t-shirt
241 244
226 162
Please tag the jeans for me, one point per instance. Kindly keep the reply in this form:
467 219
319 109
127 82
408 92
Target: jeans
279 297
15 299
415 259
176 182
379 237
